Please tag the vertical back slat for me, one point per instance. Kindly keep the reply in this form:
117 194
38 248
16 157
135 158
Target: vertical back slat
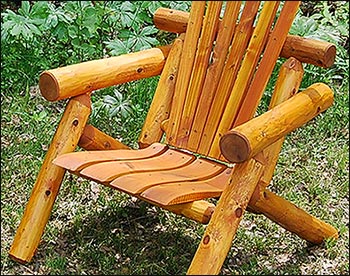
273 49
226 30
186 64
246 72
224 69
229 74
200 65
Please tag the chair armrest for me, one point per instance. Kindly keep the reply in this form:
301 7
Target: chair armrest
246 140
81 78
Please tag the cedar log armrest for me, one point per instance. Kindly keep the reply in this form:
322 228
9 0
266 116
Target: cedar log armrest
72 80
316 52
248 139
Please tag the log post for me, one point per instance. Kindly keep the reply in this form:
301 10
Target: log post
49 180
250 138
292 218
199 210
306 50
160 108
222 227
94 139
81 78
287 85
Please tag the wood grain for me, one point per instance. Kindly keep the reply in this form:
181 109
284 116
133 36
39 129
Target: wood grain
77 161
81 78
307 50
137 183
49 179
252 137
94 139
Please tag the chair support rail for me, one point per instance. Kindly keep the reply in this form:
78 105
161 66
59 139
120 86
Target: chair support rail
307 50
290 217
246 140
94 139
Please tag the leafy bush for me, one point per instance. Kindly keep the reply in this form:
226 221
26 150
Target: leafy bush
45 35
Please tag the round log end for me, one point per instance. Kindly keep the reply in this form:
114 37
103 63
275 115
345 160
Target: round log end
329 56
235 147
19 259
49 87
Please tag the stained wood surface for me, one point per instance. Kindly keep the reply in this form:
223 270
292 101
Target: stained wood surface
77 161
224 37
186 64
108 171
244 76
76 79
160 108
199 68
188 191
287 85
316 52
94 139
248 139
293 218
222 227
48 182
199 169
156 174
262 75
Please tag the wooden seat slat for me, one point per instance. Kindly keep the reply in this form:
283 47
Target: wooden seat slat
108 171
187 191
76 161
136 183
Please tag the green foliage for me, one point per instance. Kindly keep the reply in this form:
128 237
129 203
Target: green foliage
43 35
332 26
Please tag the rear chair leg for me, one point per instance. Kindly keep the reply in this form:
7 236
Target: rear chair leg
222 227
49 180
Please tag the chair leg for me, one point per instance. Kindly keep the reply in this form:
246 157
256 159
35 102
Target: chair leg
49 180
292 218
222 227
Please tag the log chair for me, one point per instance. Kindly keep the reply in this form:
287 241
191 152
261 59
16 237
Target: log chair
212 78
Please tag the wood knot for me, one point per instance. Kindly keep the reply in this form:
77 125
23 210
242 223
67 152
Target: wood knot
238 212
75 122
206 239
47 192
139 70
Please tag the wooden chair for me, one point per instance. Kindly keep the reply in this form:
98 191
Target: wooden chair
200 138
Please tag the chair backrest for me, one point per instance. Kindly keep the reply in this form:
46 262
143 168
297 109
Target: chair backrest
225 65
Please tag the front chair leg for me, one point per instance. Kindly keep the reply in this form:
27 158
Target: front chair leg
49 180
222 227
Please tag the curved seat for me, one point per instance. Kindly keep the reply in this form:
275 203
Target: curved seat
157 173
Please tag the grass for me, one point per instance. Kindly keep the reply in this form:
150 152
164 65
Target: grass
95 230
